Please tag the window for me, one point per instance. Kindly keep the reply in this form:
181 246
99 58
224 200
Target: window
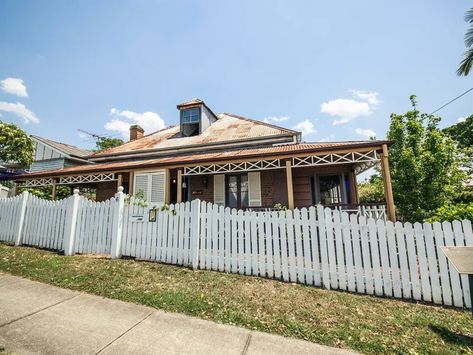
151 186
331 189
190 122
237 191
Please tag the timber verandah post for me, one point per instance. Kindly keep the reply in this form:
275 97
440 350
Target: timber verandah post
290 190
388 191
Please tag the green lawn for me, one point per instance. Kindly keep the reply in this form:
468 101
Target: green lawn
364 323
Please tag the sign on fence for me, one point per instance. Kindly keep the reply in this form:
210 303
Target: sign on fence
314 246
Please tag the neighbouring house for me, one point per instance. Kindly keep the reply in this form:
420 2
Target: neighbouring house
224 159
51 155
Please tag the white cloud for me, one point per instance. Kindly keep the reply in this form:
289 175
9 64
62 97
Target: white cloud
346 109
306 127
461 119
149 121
364 104
13 86
370 97
19 110
276 119
368 133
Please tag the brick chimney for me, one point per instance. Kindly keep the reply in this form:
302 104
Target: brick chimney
136 132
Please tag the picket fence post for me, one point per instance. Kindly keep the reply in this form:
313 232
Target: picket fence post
21 219
117 236
71 218
195 233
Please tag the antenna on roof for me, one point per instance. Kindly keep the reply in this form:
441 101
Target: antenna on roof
92 135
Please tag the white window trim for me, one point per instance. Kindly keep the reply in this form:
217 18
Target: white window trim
149 174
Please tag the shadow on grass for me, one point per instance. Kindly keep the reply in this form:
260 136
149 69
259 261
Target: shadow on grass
451 337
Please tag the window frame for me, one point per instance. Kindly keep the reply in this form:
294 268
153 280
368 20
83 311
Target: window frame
199 121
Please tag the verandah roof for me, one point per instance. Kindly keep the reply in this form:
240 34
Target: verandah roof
228 155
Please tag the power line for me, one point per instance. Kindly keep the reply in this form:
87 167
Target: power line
448 103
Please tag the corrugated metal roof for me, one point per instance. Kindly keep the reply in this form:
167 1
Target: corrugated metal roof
227 129
65 148
211 157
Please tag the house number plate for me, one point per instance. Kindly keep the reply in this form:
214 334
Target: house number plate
137 218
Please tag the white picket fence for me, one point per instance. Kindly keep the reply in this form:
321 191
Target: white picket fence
315 246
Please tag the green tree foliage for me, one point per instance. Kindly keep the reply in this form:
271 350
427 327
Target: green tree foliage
467 62
46 192
425 164
15 145
371 191
107 143
451 212
462 132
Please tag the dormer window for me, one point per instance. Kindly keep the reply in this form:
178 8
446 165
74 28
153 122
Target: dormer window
190 121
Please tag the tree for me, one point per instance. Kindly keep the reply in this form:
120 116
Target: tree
371 191
15 145
467 61
425 164
46 192
462 132
107 142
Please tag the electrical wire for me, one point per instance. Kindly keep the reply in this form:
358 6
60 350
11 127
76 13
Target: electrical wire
448 103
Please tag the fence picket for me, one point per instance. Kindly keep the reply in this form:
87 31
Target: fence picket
412 259
309 275
357 256
298 240
454 276
269 245
340 253
331 249
283 245
349 254
240 247
366 254
233 242
323 248
422 261
384 258
393 260
460 241
374 248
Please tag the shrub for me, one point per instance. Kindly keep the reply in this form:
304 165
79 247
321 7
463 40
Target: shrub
450 212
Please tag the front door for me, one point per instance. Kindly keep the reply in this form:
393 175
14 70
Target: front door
237 191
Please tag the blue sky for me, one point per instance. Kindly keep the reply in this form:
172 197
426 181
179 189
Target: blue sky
334 69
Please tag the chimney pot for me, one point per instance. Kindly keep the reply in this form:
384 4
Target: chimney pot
136 132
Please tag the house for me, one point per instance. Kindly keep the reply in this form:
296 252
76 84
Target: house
51 155
228 160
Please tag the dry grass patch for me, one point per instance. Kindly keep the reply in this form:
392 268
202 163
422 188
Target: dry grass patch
364 323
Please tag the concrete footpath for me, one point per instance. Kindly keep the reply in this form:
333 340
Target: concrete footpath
36 318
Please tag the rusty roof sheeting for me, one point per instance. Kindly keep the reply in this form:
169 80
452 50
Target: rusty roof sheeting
227 129
267 152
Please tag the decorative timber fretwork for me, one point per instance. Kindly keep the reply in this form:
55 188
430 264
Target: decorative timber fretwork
35 182
233 167
84 179
363 160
